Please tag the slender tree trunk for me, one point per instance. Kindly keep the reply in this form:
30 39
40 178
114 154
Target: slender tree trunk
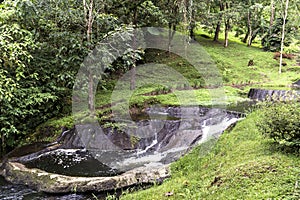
272 16
133 70
250 29
192 33
172 30
3 145
91 94
192 23
88 11
218 28
227 28
217 32
254 35
283 33
246 36
90 22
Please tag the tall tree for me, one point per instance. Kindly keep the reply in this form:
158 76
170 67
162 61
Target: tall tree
89 15
283 33
272 13
219 22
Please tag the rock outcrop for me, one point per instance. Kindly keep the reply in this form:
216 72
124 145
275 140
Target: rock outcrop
56 183
263 94
88 158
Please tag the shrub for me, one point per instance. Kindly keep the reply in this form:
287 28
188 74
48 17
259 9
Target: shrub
281 122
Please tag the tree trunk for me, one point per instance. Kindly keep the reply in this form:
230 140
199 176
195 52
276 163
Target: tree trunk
246 36
272 16
88 11
192 23
254 34
91 100
133 70
218 28
283 33
3 146
227 28
192 34
172 30
90 23
217 32
250 29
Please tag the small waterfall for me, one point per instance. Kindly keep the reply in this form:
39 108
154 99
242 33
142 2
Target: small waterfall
215 130
205 131
160 141
154 142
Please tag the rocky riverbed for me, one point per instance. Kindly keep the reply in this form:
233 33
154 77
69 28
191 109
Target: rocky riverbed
89 159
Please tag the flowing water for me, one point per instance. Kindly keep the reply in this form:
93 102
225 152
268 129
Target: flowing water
19 192
167 136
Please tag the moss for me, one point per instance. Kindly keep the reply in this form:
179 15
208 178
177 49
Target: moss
134 140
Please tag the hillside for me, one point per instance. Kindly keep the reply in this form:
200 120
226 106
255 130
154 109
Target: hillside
242 164
232 63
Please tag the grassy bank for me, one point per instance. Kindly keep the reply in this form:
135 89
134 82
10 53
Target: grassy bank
232 63
241 165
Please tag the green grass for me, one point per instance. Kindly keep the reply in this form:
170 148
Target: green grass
242 164
232 62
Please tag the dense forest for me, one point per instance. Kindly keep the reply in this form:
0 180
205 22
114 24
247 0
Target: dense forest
230 129
43 44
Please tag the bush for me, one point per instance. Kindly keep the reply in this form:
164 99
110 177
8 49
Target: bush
281 122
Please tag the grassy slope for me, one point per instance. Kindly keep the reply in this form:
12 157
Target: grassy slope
241 165
231 61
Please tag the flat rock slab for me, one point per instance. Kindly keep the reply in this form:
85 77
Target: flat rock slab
296 84
40 180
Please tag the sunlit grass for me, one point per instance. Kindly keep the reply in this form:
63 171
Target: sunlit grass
241 165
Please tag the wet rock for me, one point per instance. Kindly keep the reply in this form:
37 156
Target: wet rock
88 158
296 84
55 183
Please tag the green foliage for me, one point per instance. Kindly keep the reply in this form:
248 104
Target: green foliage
22 99
281 122
50 130
42 44
272 40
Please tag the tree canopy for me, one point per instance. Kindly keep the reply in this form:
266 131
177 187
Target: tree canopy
43 43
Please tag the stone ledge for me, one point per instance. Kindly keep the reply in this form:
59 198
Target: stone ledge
40 180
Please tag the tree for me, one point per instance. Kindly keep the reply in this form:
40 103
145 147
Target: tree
255 21
219 22
22 98
88 8
272 39
283 33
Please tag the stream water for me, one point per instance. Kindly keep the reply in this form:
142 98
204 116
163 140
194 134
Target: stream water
161 148
19 192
